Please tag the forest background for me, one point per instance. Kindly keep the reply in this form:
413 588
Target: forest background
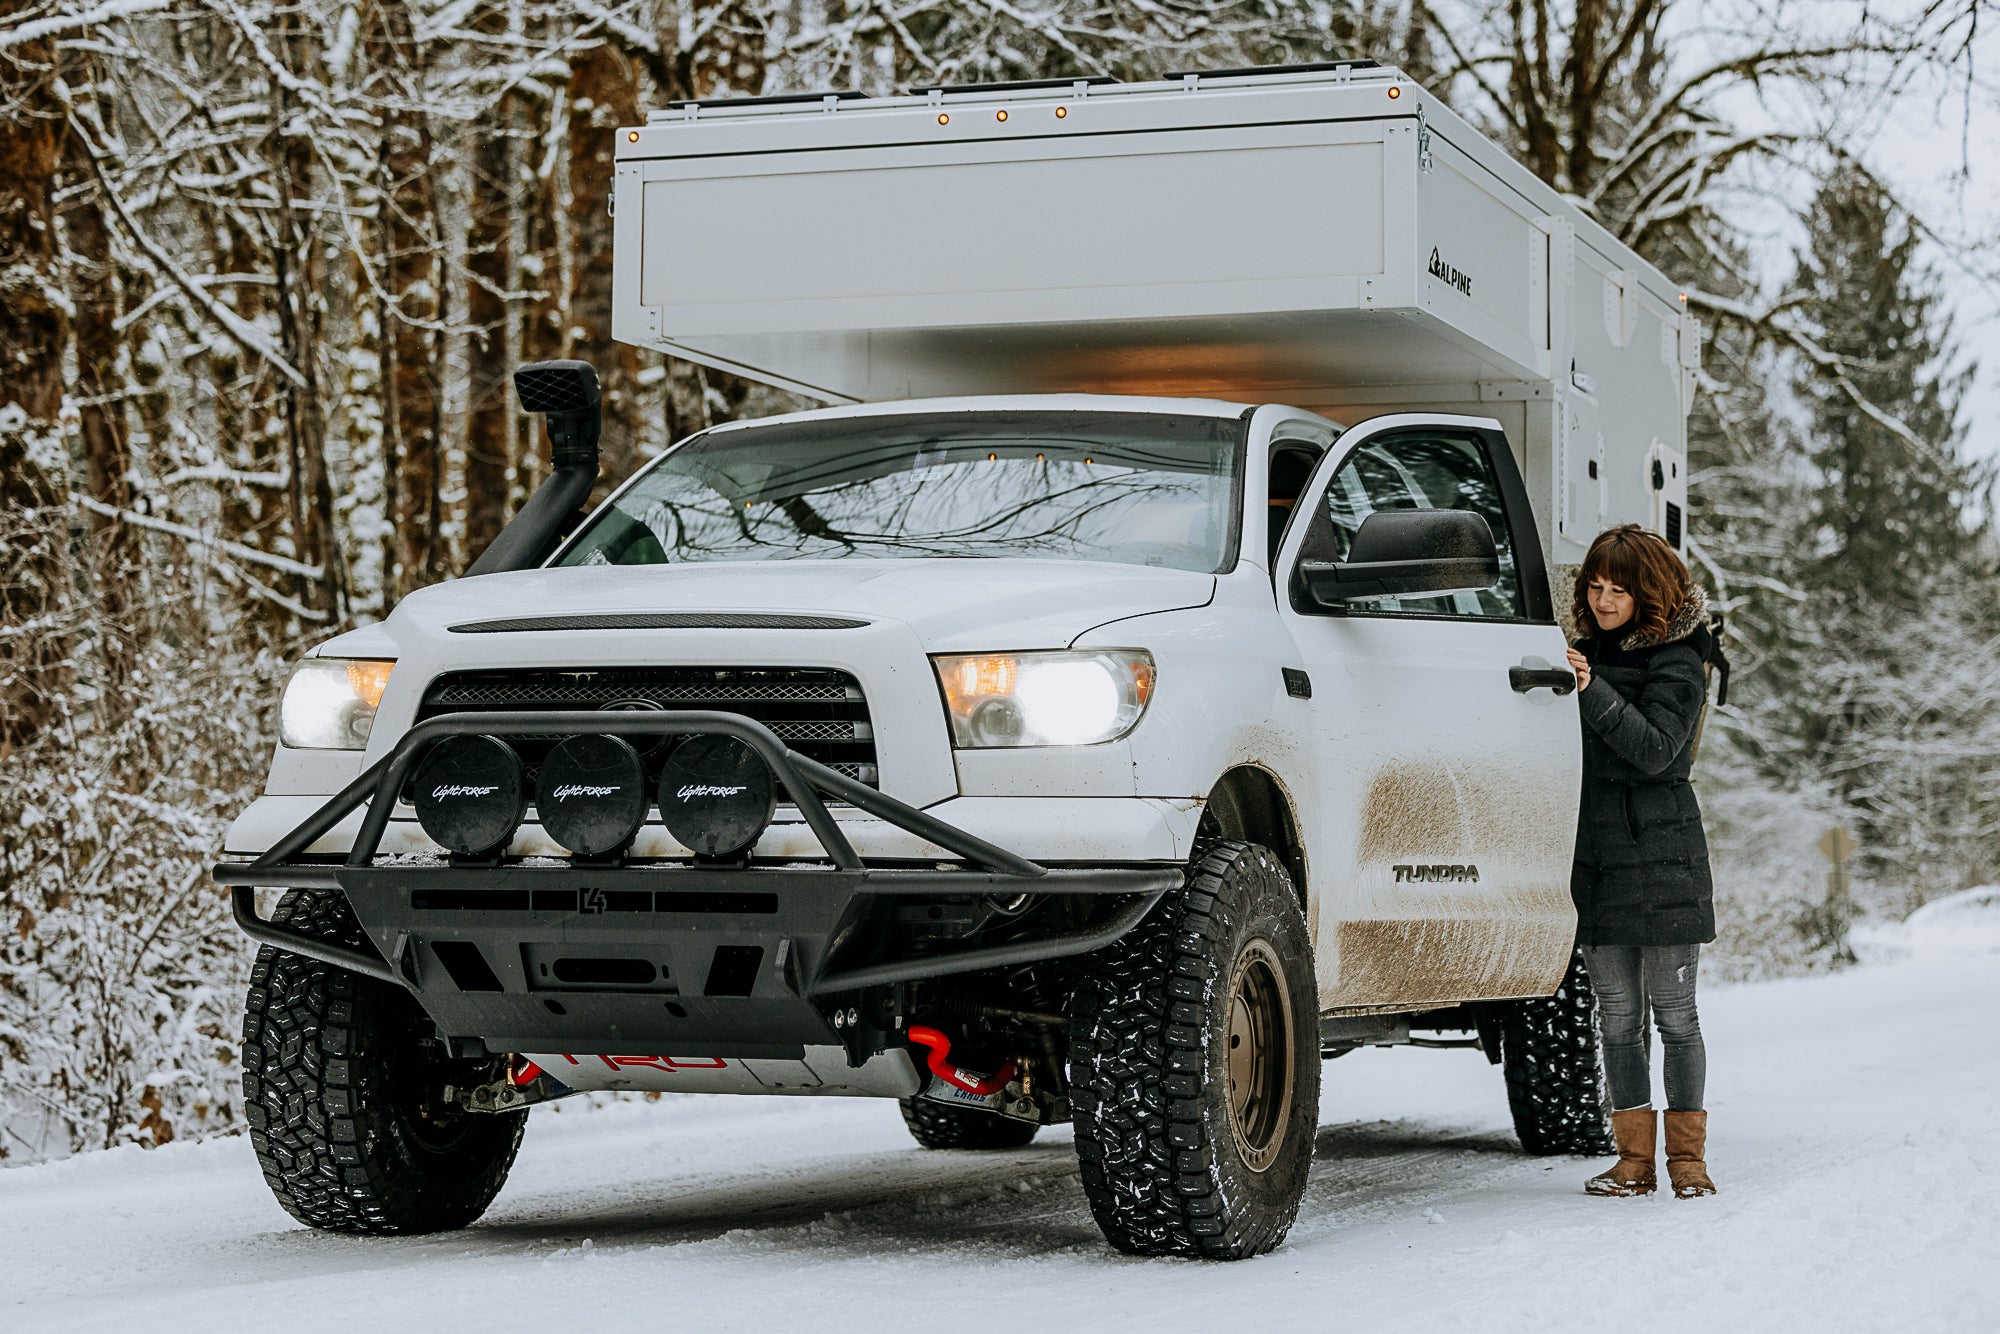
266 268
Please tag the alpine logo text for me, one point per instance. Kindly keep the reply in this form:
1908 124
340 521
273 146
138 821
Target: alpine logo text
1437 875
1449 276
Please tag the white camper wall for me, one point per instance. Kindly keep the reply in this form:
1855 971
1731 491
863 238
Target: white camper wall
1336 239
1621 349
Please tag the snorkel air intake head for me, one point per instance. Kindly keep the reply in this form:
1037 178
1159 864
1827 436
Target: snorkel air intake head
567 394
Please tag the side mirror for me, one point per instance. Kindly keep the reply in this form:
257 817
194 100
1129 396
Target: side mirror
1407 553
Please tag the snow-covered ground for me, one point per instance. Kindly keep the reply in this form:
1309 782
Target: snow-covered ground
1852 1138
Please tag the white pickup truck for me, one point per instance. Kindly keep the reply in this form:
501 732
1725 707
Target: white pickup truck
1086 749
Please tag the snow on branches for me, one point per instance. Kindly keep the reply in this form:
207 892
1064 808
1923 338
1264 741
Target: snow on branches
269 264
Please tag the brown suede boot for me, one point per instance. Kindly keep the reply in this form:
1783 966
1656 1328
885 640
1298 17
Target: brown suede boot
1687 1147
1637 1133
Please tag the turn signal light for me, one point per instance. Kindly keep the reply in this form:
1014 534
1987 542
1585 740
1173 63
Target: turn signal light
1143 673
368 680
993 675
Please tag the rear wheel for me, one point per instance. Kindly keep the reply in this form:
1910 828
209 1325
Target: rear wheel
343 1091
1555 1076
936 1126
1194 1065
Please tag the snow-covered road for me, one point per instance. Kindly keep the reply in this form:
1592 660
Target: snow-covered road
1853 1121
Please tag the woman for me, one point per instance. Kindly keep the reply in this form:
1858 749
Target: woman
1641 880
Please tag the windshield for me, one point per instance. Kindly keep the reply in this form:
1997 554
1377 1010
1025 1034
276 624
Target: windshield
1128 488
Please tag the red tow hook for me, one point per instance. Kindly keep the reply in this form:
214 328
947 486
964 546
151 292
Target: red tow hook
982 1086
522 1072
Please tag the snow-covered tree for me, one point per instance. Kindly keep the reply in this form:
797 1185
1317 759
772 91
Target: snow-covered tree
266 265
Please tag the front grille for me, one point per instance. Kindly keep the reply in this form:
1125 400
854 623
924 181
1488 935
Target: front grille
817 711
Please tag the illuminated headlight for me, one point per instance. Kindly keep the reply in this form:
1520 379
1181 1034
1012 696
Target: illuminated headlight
330 703
1044 699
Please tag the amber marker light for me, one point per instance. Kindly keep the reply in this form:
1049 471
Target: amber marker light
943 119
632 136
999 115
1395 93
369 679
1143 675
975 677
1061 112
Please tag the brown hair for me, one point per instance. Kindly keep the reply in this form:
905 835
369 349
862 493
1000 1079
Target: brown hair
1643 565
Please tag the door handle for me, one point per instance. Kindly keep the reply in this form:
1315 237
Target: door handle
1534 674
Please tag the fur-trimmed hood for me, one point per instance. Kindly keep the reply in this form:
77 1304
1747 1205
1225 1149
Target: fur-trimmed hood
1692 616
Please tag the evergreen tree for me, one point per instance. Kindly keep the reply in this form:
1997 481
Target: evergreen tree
1891 518
1884 688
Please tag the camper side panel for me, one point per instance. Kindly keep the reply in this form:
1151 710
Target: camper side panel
1624 409
1482 257
851 253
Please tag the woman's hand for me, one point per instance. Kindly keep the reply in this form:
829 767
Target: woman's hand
1581 666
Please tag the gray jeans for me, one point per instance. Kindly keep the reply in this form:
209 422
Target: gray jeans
1629 981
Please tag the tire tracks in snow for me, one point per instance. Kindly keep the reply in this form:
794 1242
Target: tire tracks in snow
1028 1201
633 1190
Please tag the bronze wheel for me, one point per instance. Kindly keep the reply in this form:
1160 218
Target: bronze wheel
1193 1064
1259 1055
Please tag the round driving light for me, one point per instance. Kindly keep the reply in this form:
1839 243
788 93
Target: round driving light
716 795
470 794
591 794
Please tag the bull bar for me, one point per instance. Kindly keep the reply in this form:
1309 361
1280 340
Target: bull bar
799 916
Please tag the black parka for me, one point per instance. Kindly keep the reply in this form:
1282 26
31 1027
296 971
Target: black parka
1641 875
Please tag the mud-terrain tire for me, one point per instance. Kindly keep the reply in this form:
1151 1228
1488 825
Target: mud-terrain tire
1194 1065
342 1091
937 1126
1555 1073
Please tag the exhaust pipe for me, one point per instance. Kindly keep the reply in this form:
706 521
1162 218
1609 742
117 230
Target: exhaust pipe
567 393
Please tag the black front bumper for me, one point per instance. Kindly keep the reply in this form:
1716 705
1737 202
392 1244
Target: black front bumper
746 961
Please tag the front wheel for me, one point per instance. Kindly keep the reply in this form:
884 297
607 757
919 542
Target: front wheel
1194 1065
343 1091
1555 1077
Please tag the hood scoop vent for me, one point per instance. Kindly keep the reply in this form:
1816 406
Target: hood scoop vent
658 620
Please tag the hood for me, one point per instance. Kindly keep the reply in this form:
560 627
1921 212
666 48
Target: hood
951 605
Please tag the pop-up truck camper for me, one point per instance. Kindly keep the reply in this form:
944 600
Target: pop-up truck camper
1142 684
